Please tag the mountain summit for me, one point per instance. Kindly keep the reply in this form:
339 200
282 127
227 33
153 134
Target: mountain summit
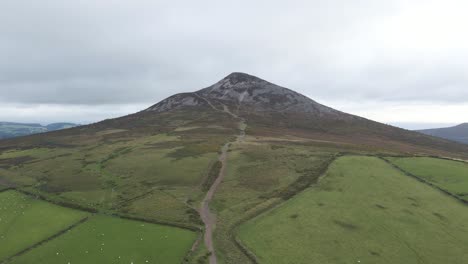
245 93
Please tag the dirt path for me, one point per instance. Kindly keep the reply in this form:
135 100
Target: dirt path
208 217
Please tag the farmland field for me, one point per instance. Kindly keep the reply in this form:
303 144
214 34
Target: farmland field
362 211
258 175
449 175
104 239
25 221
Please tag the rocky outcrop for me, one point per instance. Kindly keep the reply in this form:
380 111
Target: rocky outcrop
176 102
244 92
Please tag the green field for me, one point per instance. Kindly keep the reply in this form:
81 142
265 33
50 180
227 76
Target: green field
258 175
362 211
446 174
104 239
25 221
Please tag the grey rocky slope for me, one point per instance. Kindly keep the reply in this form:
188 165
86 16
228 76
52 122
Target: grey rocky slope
245 93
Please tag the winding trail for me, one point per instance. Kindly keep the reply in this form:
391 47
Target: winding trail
208 217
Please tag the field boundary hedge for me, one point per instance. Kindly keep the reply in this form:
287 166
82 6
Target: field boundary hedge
96 211
61 232
157 222
6 189
407 173
56 202
280 200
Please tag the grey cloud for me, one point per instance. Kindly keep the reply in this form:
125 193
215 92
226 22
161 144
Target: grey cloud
138 52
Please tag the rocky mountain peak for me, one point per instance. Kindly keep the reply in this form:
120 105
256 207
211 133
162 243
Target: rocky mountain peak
240 77
244 92
238 85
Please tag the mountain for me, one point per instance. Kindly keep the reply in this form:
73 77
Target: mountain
268 106
248 94
11 129
457 133
270 110
222 155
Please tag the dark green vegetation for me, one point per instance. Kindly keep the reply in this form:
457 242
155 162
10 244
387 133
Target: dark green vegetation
104 239
25 221
451 176
457 133
157 165
212 175
363 210
10 129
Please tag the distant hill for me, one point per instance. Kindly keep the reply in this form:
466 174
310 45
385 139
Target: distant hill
457 133
11 129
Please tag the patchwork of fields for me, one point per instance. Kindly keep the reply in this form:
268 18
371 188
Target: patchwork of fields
34 231
448 175
25 221
362 211
104 239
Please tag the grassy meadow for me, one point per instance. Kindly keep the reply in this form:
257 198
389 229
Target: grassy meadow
362 211
449 175
25 221
104 239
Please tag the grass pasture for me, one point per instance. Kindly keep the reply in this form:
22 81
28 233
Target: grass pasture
362 211
25 221
104 239
449 175
258 175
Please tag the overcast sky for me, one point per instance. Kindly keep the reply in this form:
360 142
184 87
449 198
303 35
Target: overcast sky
400 62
